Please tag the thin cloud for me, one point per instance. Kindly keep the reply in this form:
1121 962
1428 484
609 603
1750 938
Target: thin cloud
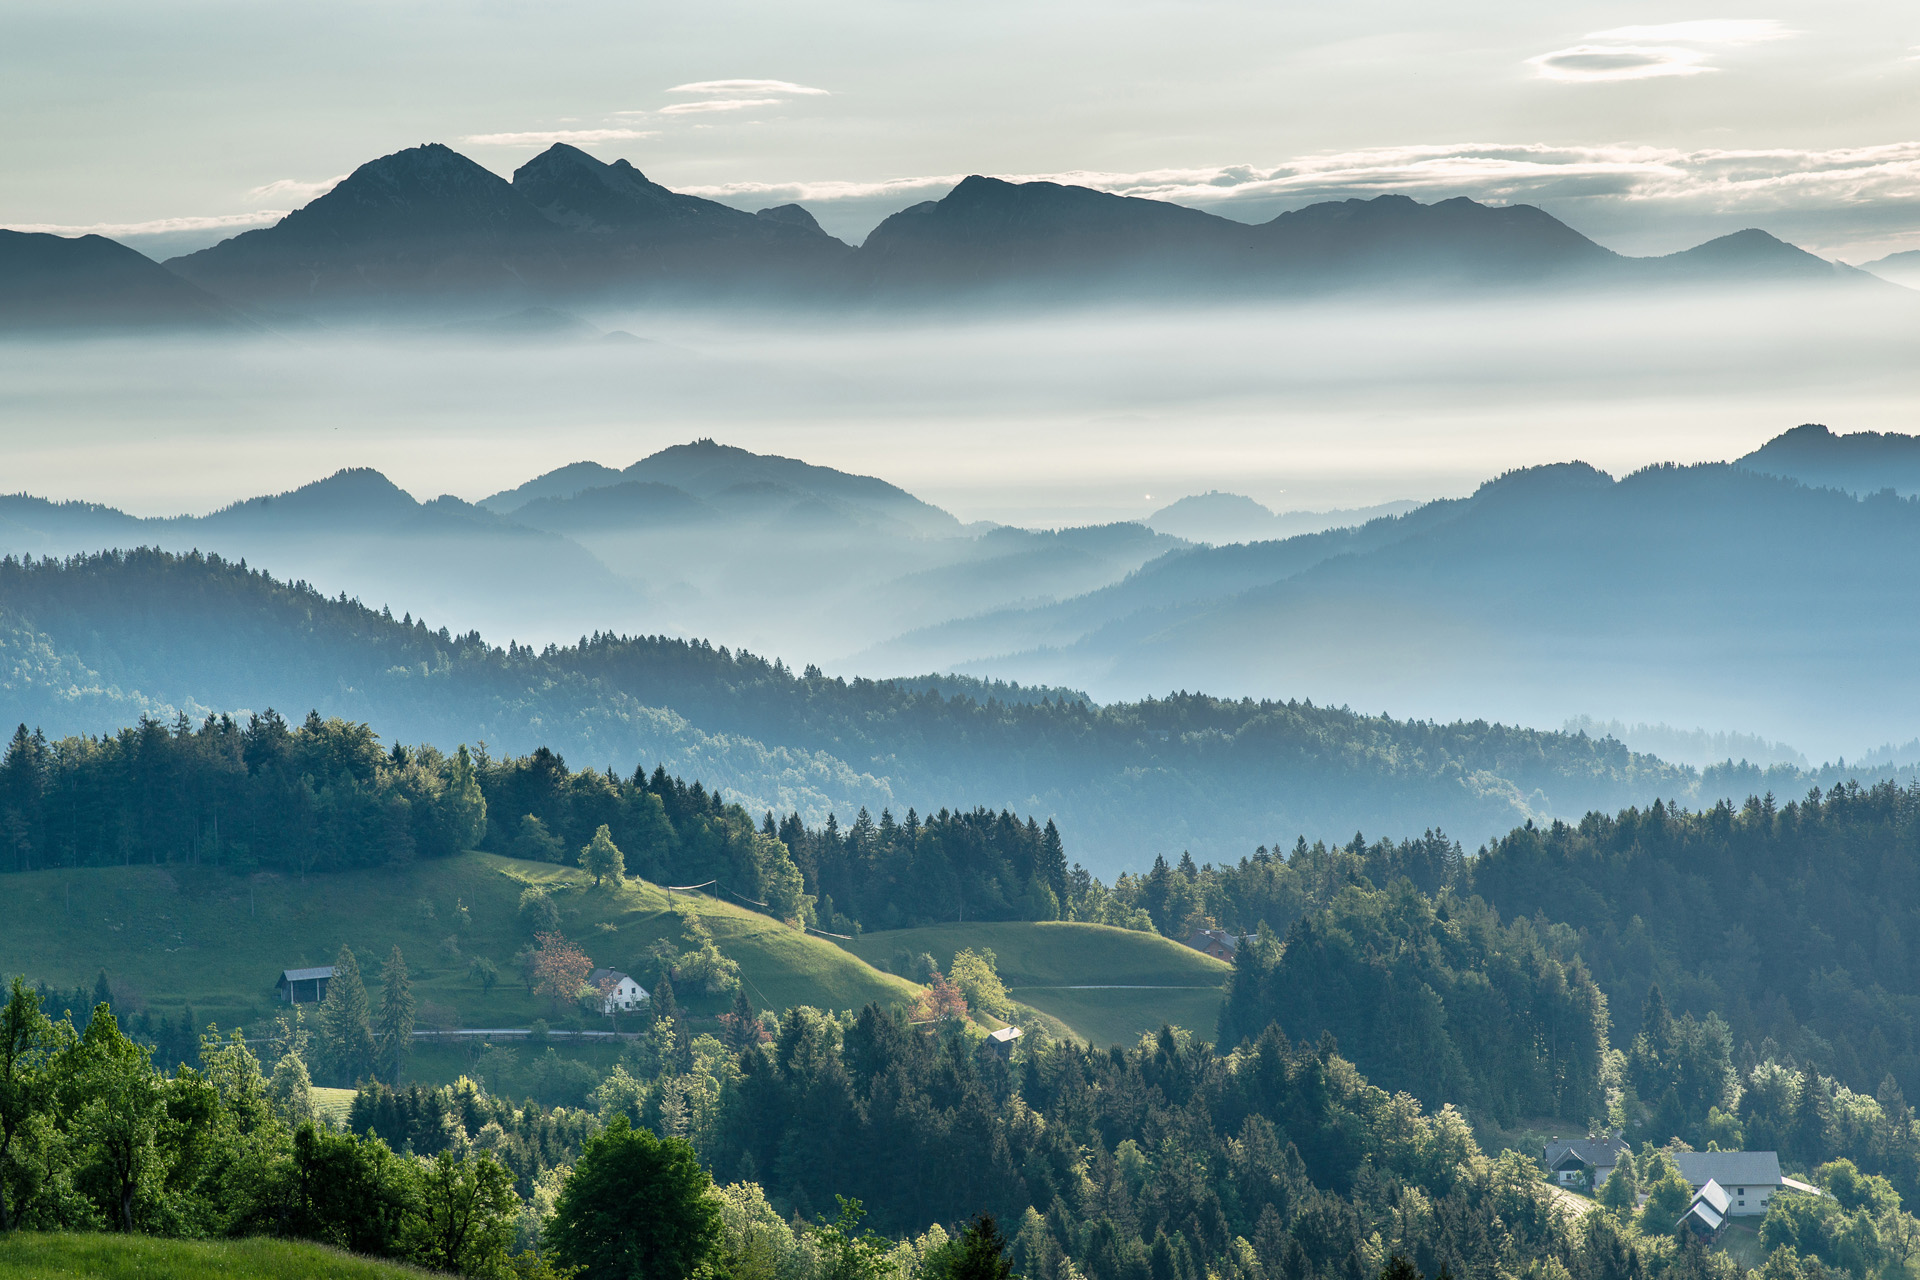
1654 51
746 86
294 189
1755 180
718 104
546 138
157 226
1601 62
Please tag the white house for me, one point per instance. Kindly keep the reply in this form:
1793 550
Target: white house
1749 1178
619 993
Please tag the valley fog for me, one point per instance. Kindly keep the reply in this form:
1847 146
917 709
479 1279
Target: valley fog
1033 418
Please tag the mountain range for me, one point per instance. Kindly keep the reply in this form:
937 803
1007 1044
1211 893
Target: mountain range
428 231
1768 595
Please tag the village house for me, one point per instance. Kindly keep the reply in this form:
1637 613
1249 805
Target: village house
296 985
1582 1162
619 993
1750 1178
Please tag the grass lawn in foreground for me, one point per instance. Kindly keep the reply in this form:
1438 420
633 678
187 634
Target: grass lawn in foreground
99 1256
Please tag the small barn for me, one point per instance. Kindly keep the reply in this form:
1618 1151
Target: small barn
1217 943
1003 1040
296 985
1706 1216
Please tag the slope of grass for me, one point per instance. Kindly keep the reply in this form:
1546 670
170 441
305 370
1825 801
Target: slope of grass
1107 985
173 937
31 1256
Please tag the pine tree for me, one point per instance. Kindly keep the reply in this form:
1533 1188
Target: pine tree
396 1016
346 1033
603 858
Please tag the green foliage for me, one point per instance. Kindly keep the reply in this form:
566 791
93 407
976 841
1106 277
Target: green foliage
847 1250
602 858
346 1044
1620 1192
979 981
636 1207
1433 996
464 1216
396 1017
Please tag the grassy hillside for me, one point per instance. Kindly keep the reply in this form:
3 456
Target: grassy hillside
175 936
1107 985
30 1256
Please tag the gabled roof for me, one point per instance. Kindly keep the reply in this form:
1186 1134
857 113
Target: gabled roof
603 975
1706 1213
1729 1168
1005 1035
1597 1153
1714 1196
306 975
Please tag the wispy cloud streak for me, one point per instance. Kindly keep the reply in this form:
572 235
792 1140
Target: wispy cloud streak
547 137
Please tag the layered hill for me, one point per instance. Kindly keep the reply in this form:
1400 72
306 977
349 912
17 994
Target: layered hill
1860 463
56 284
91 644
1662 595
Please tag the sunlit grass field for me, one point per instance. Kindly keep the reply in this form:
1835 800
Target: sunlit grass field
173 937
1107 985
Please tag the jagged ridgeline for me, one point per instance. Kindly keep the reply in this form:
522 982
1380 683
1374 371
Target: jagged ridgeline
93 643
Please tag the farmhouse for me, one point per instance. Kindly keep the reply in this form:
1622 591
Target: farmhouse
296 985
1583 1162
618 992
1749 1178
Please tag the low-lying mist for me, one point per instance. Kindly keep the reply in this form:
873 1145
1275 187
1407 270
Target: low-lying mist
1035 417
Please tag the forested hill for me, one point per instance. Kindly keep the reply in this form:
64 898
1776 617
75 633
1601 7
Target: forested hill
92 643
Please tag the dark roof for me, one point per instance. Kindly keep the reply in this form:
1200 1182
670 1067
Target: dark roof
600 975
1595 1153
1729 1168
306 975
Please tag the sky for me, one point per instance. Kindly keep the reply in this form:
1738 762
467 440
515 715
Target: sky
1650 126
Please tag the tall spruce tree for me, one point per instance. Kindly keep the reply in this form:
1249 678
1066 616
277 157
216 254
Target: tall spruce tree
346 1032
396 1016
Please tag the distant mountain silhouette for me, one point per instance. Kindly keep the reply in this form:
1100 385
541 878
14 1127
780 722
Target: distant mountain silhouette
1218 518
718 473
427 227
1901 268
1711 594
421 225
56 283
356 531
1753 255
1861 463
